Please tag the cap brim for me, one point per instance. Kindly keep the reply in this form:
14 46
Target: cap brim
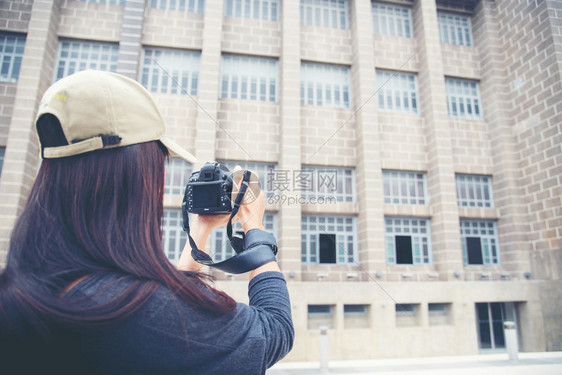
178 151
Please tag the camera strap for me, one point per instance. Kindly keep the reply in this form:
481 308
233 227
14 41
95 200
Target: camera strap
255 249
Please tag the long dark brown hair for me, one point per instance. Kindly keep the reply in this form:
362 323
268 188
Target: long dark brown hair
96 213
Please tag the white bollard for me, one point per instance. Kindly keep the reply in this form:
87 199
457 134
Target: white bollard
511 341
324 347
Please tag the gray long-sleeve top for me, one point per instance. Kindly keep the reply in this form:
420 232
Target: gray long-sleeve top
169 336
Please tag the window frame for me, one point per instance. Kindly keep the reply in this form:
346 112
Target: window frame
397 85
390 239
12 58
462 100
320 13
395 13
176 71
177 169
344 177
448 22
172 231
238 78
393 180
472 228
190 6
219 238
267 10
310 255
67 65
112 2
265 170
465 182
320 82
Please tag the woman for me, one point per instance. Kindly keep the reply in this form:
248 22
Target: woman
87 287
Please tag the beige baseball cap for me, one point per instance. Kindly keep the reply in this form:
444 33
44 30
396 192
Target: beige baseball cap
100 110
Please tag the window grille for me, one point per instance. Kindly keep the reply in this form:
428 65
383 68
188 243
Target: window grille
325 84
407 240
177 175
454 29
259 9
392 20
474 191
325 13
324 183
246 77
479 239
11 54
401 187
328 239
265 171
220 245
116 2
192 6
75 56
463 98
398 92
173 236
170 71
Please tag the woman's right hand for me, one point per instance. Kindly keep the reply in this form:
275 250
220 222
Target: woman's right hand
252 209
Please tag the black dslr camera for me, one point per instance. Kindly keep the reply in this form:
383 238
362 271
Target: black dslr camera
208 190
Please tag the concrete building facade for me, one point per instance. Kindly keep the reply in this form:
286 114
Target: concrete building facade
410 149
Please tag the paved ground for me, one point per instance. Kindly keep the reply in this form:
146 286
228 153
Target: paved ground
549 363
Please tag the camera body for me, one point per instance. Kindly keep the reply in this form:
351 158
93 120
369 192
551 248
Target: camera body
208 191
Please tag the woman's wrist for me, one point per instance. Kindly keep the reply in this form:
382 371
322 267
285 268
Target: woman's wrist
200 234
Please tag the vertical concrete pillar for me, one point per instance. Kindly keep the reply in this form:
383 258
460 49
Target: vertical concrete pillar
370 222
289 217
447 253
208 91
22 153
130 39
494 90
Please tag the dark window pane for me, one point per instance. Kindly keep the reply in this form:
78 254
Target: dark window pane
404 250
327 248
474 250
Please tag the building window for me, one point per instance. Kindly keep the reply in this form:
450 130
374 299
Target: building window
326 184
116 2
11 54
266 172
325 84
221 248
328 239
170 71
398 92
259 9
479 239
75 56
193 6
454 29
407 314
245 77
177 175
439 314
474 191
407 240
355 316
392 20
320 316
401 187
173 237
463 98
325 13
2 153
